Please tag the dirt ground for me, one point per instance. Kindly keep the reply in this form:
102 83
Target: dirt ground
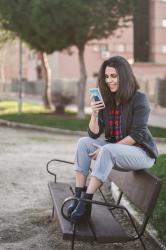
25 203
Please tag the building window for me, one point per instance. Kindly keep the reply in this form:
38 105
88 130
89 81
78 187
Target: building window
163 48
100 47
103 47
163 23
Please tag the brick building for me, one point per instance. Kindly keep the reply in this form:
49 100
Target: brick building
143 43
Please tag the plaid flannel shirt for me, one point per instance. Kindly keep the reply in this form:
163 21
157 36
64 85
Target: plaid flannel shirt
115 124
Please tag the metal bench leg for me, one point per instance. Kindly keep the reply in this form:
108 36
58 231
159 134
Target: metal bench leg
142 243
52 211
73 237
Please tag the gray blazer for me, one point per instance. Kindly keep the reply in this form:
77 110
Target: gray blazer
135 116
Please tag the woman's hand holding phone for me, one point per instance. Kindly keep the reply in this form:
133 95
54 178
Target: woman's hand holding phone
96 105
96 100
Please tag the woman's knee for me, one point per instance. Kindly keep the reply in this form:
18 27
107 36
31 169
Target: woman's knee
111 148
83 142
106 149
106 154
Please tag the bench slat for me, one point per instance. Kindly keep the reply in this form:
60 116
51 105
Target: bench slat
106 228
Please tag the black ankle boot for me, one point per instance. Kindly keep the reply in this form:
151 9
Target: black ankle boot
74 203
83 210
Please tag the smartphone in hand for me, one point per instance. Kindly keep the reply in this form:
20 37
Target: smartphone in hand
95 92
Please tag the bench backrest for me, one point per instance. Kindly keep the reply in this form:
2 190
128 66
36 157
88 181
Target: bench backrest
141 187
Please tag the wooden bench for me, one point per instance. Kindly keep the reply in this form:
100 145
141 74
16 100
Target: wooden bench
141 188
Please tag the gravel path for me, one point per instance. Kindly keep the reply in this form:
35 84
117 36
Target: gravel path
25 204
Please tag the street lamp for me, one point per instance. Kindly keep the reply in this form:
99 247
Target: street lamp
20 79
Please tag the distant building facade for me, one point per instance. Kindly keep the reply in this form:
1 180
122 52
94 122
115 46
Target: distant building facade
143 43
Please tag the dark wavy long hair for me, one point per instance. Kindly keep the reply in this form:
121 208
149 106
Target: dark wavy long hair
127 81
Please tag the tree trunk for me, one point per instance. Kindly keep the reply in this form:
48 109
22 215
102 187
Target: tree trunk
3 56
46 75
81 83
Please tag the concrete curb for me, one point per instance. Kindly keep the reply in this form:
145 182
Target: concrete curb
149 229
41 128
53 130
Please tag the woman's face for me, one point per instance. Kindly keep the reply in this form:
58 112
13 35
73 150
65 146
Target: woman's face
111 79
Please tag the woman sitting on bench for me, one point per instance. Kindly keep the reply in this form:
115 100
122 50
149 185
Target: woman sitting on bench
128 144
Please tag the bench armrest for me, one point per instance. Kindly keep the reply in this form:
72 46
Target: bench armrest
55 160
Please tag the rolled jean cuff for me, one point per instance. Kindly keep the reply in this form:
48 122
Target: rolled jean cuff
76 168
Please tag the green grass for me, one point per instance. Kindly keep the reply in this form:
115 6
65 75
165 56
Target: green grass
159 215
11 107
37 115
49 120
158 132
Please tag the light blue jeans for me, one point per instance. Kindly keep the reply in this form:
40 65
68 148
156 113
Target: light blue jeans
118 156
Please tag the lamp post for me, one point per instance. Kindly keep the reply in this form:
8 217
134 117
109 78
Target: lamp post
20 80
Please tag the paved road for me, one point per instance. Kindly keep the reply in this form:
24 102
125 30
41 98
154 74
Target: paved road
25 203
